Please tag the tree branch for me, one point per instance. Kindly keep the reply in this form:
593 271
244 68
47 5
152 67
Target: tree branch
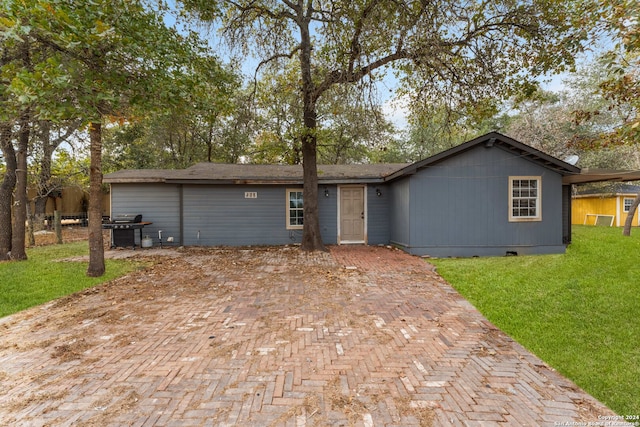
262 11
272 58
339 76
73 126
355 40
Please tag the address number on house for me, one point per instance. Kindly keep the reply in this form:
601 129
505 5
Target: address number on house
250 194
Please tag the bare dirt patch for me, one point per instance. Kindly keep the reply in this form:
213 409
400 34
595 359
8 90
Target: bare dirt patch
72 350
69 234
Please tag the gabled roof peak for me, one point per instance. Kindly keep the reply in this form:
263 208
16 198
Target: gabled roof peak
491 140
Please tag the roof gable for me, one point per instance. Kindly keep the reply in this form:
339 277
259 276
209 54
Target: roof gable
491 140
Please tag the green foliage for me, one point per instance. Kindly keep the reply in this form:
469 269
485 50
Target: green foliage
621 87
577 311
279 107
102 58
352 127
46 276
103 61
71 169
460 56
578 120
211 123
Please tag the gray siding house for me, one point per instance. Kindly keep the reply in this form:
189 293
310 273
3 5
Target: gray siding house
489 196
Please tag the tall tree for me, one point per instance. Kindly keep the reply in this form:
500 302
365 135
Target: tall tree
279 107
20 204
547 121
461 52
623 88
351 126
7 121
434 128
6 189
109 58
619 20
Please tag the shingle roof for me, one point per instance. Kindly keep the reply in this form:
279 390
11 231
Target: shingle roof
258 174
139 175
610 189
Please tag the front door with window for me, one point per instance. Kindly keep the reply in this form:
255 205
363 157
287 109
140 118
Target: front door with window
352 215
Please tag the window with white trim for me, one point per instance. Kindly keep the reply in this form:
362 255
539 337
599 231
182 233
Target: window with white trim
627 202
525 198
295 218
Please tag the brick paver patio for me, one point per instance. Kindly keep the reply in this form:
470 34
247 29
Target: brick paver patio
361 336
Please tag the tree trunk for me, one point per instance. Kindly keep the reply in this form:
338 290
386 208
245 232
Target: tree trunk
311 238
18 243
6 189
96 245
30 233
629 221
44 186
57 226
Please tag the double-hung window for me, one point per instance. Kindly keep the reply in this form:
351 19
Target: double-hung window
525 198
295 218
628 201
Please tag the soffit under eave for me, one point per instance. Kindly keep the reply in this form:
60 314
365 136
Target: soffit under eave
134 181
587 176
328 181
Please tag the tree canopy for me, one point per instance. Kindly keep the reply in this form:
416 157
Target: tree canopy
97 61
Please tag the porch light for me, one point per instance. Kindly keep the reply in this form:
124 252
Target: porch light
378 192
326 192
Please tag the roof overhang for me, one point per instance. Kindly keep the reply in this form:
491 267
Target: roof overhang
600 175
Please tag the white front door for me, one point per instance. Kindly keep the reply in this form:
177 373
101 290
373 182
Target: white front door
352 214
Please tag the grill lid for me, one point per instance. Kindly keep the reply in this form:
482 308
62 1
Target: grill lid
126 218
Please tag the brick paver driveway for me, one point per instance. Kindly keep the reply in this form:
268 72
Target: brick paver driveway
271 336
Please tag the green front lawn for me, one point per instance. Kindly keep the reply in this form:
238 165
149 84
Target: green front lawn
579 312
43 277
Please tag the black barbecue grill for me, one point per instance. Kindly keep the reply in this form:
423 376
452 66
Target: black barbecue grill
123 229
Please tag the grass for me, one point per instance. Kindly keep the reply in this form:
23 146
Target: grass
43 278
579 312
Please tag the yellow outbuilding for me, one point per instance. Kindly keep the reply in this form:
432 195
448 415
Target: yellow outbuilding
601 207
